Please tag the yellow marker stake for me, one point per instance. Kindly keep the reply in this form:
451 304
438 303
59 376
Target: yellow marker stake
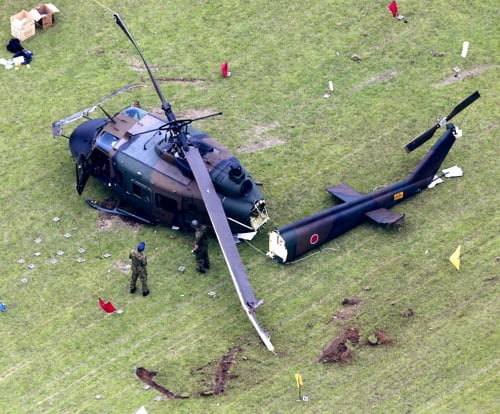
300 383
455 258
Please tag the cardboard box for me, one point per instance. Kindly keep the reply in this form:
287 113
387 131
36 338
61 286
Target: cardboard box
22 25
44 15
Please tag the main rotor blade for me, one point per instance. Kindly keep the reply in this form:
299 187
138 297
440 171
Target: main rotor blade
226 242
430 132
164 104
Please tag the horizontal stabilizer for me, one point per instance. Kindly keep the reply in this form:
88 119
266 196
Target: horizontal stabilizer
384 216
344 192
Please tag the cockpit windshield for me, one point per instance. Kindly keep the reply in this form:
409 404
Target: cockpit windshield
135 113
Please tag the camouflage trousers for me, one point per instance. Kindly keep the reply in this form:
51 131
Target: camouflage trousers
144 281
202 260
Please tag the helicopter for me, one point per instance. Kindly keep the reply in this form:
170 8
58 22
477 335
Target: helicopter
165 170
295 239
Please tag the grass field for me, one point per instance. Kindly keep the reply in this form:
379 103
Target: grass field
62 354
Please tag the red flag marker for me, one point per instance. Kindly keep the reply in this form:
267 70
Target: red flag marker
393 7
224 68
106 306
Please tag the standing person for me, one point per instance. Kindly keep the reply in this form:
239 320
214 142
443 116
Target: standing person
200 246
139 269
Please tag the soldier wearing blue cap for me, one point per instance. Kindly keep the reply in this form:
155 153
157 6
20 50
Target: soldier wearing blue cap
139 270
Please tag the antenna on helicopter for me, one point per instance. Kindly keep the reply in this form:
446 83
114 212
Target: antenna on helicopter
107 114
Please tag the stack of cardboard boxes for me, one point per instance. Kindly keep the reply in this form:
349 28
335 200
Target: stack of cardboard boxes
23 23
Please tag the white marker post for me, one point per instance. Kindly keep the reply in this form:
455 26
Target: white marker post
465 48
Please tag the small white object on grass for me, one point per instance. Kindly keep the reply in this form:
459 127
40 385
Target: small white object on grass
465 48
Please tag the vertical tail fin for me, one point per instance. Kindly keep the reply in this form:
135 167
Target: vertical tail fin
430 164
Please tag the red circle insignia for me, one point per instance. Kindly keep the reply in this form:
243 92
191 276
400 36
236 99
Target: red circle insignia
314 238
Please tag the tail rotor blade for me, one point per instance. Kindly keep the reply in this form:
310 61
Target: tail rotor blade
426 136
464 104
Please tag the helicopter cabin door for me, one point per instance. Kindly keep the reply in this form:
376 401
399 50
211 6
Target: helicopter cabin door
167 207
82 173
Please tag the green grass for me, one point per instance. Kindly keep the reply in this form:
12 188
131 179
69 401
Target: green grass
59 350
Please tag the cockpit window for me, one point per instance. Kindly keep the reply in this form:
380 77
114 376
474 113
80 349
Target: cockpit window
106 141
134 112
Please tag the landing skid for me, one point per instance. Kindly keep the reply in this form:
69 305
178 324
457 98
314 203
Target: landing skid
117 210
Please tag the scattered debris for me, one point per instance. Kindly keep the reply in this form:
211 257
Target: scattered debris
147 376
3 307
356 58
438 54
352 301
338 349
378 338
454 171
407 313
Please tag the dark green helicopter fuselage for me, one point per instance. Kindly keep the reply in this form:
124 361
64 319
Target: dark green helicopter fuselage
136 160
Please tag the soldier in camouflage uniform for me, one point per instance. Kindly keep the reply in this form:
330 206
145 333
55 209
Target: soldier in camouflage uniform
201 247
139 270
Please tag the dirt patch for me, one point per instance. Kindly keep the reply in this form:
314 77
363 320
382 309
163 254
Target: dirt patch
351 308
220 379
147 376
378 338
378 79
222 373
107 220
465 75
123 267
338 350
408 313
260 139
350 301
